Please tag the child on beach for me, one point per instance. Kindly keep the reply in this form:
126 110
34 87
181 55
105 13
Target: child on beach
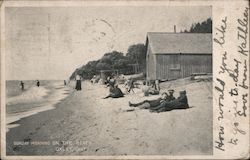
145 89
129 85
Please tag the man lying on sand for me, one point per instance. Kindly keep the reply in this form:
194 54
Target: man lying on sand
114 92
180 103
147 104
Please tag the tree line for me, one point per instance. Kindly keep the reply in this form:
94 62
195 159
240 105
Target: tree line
203 27
135 56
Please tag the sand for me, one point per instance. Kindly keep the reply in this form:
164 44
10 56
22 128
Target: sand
86 124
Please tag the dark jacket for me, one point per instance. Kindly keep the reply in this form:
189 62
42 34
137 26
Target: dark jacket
179 103
116 93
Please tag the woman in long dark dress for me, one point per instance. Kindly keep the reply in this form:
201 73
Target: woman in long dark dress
78 83
114 92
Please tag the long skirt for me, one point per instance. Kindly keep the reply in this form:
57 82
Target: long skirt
78 85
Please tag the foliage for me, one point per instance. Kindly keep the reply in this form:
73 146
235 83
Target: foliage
114 61
136 55
203 27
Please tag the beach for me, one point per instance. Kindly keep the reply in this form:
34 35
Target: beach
82 123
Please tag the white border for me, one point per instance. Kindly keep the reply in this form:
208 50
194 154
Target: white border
80 3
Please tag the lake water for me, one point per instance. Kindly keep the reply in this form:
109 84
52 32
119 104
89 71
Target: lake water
31 100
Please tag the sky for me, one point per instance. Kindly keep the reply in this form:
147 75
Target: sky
51 42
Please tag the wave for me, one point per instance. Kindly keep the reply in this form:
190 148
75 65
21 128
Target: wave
34 94
46 98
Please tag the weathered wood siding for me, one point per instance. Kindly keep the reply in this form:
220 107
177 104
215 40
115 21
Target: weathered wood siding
201 63
151 65
174 66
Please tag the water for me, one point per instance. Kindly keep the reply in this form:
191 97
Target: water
31 100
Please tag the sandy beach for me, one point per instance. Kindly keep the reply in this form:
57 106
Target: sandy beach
85 124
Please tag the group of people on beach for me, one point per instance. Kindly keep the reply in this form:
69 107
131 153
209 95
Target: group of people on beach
166 102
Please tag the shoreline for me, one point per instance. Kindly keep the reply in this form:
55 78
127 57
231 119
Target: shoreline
102 127
45 101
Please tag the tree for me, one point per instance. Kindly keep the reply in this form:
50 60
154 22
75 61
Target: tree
115 61
203 27
121 63
103 66
137 55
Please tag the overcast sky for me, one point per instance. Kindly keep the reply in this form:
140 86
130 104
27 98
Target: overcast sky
49 42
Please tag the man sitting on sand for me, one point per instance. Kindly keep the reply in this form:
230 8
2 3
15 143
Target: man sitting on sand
171 94
180 103
114 92
147 104
145 88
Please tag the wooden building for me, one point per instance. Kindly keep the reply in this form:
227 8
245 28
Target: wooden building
178 55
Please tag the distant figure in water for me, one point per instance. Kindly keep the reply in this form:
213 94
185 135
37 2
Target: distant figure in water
114 92
37 83
22 85
65 83
78 82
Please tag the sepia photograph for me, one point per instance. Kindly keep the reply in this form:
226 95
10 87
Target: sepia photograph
124 79
109 80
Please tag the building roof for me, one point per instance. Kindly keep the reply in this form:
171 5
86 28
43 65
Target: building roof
172 43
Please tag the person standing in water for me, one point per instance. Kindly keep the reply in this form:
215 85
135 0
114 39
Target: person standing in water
22 85
78 82
37 83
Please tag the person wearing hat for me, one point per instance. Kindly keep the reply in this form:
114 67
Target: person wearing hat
180 103
150 103
171 94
